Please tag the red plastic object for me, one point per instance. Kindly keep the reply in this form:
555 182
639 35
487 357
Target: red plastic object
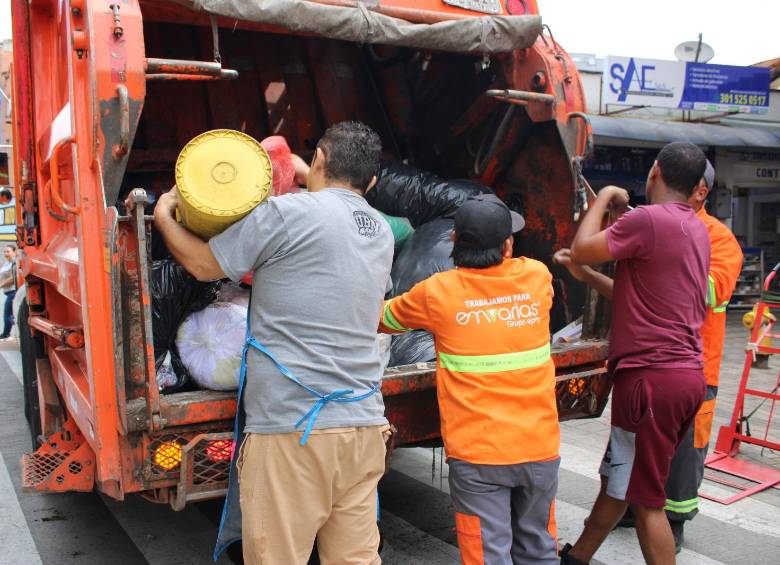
724 459
281 164
764 477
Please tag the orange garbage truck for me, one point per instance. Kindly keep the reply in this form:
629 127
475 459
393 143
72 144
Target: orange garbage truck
106 93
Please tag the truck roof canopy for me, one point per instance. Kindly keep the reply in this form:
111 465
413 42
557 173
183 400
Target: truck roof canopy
359 24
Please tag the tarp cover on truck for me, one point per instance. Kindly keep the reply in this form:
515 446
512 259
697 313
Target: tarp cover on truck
480 34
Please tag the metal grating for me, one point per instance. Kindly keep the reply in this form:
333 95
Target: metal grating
38 467
211 461
579 393
164 464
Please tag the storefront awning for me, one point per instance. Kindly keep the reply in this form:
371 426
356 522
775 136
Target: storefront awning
617 131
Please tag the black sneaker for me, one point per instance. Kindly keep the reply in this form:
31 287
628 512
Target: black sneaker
627 521
566 559
677 532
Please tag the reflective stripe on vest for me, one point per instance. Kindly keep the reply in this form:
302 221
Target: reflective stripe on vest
712 299
495 363
389 320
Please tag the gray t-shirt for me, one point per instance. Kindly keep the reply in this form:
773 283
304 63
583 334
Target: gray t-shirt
321 265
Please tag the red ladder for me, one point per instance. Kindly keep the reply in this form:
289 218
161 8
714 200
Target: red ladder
724 458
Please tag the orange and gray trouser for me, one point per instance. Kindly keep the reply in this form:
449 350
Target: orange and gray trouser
687 470
505 514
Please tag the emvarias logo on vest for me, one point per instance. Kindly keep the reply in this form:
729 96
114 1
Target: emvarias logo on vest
514 310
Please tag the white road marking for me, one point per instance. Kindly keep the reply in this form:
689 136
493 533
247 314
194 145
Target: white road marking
621 546
163 536
750 514
14 361
16 540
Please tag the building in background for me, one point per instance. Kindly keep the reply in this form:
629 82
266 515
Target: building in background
7 211
742 140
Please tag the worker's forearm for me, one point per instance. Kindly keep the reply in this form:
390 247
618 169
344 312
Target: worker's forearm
600 282
590 225
190 252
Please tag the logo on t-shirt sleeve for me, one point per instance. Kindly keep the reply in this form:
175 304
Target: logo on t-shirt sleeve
367 226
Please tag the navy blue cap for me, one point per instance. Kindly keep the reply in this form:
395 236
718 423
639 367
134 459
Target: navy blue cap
485 222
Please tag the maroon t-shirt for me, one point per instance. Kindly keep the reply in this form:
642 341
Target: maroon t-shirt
658 301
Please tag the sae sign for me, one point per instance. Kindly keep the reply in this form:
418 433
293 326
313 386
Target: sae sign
686 86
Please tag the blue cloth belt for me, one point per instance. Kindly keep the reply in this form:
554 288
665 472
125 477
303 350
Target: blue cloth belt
342 396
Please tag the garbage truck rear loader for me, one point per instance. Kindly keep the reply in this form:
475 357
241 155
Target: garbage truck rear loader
106 92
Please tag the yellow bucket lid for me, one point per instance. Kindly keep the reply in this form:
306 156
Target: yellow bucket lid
223 172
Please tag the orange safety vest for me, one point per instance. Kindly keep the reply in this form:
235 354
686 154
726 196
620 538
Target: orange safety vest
725 266
494 374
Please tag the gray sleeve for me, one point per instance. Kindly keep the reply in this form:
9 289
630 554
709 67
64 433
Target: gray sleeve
250 242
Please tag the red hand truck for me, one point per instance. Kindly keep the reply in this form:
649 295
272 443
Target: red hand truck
724 458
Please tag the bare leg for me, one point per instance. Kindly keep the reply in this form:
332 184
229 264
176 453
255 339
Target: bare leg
606 513
655 535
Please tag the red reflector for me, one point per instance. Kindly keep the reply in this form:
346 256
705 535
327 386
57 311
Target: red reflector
219 450
515 7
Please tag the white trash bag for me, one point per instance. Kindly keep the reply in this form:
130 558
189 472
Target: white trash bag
210 343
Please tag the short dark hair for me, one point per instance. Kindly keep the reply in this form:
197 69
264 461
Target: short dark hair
11 246
6 193
682 166
352 151
476 258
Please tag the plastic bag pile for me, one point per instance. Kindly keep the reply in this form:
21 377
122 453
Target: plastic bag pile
211 340
429 203
175 295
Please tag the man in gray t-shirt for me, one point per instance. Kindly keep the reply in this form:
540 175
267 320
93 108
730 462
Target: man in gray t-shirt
321 263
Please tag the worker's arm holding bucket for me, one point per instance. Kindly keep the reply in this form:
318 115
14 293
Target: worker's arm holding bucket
189 250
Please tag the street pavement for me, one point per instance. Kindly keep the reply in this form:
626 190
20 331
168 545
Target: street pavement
417 521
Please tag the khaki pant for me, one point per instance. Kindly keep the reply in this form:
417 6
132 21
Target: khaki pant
326 489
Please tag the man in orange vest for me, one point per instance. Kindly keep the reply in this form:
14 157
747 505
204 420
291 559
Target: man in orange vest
490 319
687 471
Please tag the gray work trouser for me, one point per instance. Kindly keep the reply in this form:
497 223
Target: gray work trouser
687 472
505 514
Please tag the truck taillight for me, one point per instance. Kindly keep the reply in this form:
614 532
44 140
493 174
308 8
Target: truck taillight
219 450
515 7
167 456
576 386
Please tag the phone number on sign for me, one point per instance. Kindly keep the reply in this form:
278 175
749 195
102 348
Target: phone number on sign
744 99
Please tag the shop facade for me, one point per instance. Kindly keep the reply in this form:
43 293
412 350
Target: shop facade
743 147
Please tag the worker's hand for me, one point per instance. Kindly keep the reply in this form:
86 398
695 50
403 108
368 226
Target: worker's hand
563 257
166 205
301 170
616 198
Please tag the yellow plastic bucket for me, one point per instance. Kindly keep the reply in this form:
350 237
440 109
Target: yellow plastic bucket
221 176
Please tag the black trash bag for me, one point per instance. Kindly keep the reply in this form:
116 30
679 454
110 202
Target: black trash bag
412 347
175 295
429 203
420 196
426 252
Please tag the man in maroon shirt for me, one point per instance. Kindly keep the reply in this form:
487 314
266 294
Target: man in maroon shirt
658 306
